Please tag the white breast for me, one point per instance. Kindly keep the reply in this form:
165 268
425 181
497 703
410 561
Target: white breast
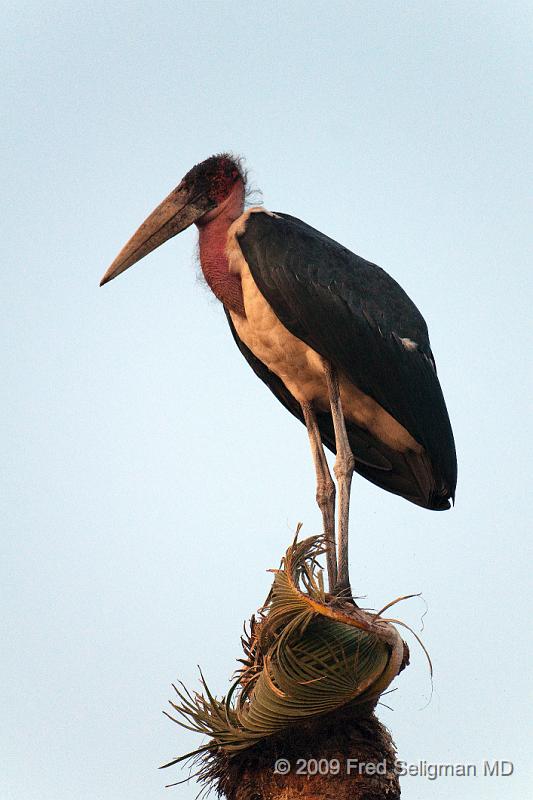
297 364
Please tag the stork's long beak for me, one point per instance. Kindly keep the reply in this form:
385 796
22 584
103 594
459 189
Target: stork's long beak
179 210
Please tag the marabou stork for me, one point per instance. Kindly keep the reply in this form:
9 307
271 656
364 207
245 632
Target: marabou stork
334 337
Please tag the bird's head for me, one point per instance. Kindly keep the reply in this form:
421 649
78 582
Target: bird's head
201 195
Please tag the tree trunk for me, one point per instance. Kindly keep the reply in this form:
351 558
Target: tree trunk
345 755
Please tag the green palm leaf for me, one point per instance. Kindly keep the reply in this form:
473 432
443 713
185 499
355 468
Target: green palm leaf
306 654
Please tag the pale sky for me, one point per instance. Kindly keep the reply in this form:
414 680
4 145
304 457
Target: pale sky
149 478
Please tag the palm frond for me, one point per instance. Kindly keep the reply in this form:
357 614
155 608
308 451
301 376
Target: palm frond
305 654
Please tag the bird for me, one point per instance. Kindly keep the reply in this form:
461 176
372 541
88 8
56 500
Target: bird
333 336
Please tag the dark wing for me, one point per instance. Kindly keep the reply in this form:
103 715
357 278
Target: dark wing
354 314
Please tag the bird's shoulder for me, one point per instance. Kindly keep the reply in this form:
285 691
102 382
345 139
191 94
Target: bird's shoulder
285 253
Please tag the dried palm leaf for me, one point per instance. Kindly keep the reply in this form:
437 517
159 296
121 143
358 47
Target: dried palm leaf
306 654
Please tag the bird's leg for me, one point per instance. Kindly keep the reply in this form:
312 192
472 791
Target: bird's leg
325 491
343 469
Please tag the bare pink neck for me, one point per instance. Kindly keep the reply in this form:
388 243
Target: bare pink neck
213 229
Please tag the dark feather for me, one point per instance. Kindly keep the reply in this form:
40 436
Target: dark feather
354 314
